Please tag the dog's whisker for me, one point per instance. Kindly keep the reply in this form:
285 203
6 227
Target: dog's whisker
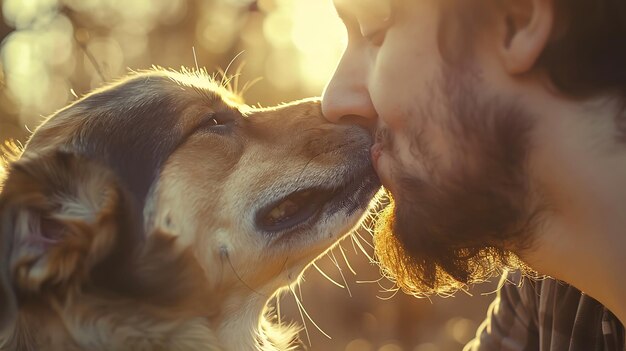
224 73
224 253
306 330
345 258
353 245
236 76
284 267
336 263
370 281
195 57
309 161
308 316
249 85
304 168
393 290
277 296
92 59
360 237
385 289
278 315
326 276
226 82
358 243
386 298
300 290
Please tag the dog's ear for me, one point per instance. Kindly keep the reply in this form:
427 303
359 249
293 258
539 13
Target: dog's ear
61 215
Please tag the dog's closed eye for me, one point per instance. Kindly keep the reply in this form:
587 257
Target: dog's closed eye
219 122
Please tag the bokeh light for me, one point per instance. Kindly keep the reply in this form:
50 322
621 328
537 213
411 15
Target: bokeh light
293 45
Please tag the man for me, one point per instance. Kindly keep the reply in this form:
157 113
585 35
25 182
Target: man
501 138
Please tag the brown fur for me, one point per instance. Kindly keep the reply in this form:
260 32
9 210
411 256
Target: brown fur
129 220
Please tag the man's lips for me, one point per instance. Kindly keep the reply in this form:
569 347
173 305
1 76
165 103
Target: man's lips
381 165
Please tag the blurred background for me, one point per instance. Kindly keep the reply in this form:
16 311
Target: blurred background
53 51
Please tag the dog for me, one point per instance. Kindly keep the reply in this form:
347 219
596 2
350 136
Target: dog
161 213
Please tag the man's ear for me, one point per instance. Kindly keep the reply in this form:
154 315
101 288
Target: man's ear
61 215
528 25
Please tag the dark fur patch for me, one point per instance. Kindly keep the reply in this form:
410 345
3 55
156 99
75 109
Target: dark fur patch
132 129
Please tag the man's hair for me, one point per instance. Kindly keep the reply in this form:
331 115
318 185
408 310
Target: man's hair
589 56
586 53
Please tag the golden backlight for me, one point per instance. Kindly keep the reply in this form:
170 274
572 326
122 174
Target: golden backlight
73 46
54 51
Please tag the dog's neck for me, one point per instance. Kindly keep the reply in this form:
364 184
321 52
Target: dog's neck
161 304
89 323
258 333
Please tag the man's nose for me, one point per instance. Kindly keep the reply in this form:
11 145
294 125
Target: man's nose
346 98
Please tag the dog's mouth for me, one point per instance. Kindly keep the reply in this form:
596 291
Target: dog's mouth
303 206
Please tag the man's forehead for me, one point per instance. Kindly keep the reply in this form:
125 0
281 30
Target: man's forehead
359 8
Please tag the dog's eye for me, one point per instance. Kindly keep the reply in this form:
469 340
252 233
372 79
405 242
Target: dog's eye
219 122
220 118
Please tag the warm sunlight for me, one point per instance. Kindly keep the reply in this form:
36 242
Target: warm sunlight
292 45
319 35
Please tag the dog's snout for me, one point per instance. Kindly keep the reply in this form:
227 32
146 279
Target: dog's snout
369 124
340 138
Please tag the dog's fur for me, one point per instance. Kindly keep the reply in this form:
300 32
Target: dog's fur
129 220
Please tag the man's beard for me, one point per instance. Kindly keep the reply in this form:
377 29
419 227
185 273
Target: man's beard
462 225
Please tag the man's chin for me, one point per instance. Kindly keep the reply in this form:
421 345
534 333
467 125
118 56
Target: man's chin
414 273
450 227
438 240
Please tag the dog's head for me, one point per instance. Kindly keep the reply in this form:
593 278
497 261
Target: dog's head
161 192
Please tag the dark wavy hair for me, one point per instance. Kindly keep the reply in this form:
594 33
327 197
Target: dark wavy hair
585 56
589 56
